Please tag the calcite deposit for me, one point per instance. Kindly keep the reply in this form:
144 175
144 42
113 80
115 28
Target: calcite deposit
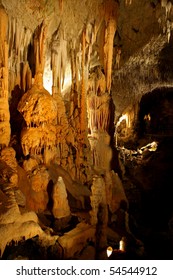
85 90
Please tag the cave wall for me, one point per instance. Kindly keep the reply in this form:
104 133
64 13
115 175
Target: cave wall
145 62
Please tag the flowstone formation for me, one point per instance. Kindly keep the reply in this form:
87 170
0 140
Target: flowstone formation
39 111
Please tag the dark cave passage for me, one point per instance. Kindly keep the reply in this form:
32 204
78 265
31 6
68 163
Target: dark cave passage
148 181
156 113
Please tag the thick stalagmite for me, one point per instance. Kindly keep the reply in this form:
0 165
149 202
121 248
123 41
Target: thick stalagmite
61 207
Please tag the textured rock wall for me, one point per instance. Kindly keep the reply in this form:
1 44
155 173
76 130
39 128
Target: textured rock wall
145 60
4 106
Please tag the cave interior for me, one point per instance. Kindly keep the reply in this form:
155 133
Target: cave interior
86 129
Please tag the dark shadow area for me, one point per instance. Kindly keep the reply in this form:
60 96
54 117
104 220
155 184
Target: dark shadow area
156 113
165 61
148 178
49 191
17 121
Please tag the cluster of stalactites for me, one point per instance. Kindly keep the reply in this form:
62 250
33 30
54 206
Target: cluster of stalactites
98 112
167 5
165 21
18 38
98 102
37 140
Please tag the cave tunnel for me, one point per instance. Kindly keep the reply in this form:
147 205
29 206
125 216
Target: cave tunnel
153 175
155 113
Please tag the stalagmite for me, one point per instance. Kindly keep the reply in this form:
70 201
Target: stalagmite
61 207
98 197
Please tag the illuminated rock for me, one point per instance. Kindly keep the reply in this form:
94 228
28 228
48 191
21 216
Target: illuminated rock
61 207
38 107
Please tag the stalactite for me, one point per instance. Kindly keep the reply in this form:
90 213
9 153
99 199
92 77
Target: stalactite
78 72
13 32
110 20
59 59
168 9
83 97
128 2
164 3
26 77
3 39
4 107
39 50
109 51
61 5
73 65
26 39
17 38
25 68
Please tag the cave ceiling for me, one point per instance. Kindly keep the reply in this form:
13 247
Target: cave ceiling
143 33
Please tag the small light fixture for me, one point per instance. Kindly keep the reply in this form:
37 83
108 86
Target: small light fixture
109 251
122 244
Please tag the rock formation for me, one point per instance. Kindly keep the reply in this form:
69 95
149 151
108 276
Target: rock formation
61 207
4 106
83 86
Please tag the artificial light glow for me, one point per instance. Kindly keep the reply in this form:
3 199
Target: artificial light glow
122 245
123 117
147 117
152 147
109 251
